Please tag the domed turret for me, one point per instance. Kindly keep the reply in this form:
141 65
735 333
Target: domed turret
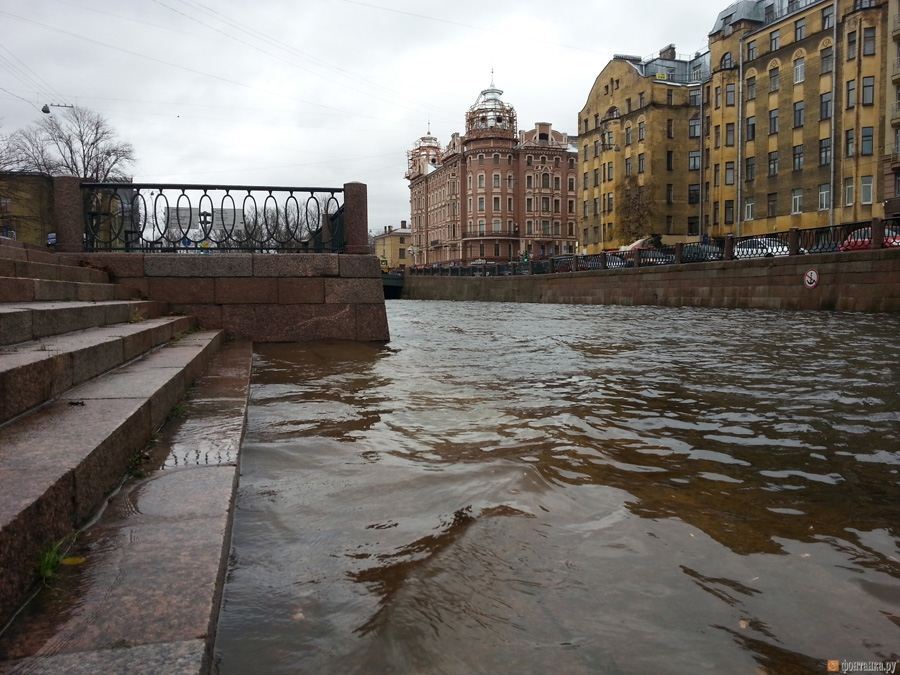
425 155
489 114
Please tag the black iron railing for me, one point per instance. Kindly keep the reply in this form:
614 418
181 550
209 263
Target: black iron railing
165 217
840 238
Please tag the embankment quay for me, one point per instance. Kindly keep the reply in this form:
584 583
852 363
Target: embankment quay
857 281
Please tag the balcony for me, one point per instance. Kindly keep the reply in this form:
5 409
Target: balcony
895 159
489 233
896 27
895 114
895 70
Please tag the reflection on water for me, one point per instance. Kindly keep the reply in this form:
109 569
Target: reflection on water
545 488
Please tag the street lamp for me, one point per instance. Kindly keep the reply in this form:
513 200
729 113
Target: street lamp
46 108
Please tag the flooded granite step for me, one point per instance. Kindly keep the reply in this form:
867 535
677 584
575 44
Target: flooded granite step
35 371
18 289
59 463
146 596
23 321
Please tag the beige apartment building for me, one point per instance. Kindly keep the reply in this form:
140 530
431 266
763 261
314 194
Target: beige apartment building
392 246
784 123
495 193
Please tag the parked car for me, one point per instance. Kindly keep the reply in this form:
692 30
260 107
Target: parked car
701 253
760 247
862 238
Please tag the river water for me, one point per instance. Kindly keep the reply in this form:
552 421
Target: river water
571 489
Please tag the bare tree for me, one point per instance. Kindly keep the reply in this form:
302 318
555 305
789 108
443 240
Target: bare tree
635 212
79 143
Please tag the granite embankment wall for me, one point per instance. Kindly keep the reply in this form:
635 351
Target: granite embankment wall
263 297
861 281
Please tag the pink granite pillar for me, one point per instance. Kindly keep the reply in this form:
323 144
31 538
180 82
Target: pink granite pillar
68 214
356 218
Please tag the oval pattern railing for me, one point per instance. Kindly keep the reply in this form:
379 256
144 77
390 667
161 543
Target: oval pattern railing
203 218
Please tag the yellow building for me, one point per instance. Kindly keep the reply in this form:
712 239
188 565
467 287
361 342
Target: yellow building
788 121
794 128
392 246
26 207
638 145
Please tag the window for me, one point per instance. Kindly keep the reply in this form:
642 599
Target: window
694 97
850 142
669 96
670 160
586 180
529 204
718 97
825 106
750 169
798 157
851 93
773 163
799 113
496 180
799 29
851 45
729 211
827 56
729 173
670 193
627 135
694 194
749 203
824 196
529 159
729 134
481 181
774 40
751 88
628 166
774 79
868 91
481 204
729 94
751 128
694 128
716 175
694 160
773 121
797 201
642 130
751 50
799 70
641 100
545 180
868 50
496 203
641 163
848 192
718 135
670 128
866 139
828 17
529 181
771 205
715 210
727 61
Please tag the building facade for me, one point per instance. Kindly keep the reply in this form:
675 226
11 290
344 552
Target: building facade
638 139
494 193
790 120
392 246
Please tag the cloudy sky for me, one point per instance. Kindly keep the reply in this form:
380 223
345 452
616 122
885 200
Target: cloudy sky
315 92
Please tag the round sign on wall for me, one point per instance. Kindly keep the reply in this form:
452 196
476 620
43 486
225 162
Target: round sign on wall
811 278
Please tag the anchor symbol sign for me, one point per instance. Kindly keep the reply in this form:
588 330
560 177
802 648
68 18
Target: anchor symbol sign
811 278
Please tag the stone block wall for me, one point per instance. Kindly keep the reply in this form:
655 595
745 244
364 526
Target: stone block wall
859 281
262 297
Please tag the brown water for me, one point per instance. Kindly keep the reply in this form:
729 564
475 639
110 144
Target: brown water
571 489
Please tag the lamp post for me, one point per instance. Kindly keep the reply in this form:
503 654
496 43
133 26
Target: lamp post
46 107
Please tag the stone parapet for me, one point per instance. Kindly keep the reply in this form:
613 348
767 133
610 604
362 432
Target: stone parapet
859 281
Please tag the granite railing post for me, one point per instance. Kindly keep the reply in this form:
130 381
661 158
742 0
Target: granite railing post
877 233
603 261
679 252
729 247
356 218
637 257
793 241
68 214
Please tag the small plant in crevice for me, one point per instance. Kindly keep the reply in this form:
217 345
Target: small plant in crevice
136 316
49 561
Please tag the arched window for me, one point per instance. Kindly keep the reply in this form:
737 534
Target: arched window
545 180
727 61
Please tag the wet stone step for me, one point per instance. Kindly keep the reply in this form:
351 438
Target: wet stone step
58 463
145 593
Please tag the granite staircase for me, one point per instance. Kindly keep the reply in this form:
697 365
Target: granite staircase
88 373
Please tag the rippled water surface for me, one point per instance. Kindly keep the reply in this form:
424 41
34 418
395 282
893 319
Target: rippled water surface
571 489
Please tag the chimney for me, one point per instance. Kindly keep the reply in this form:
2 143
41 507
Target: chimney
403 224
667 53
390 228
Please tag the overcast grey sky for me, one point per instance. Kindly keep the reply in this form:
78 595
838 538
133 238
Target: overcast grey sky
315 92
